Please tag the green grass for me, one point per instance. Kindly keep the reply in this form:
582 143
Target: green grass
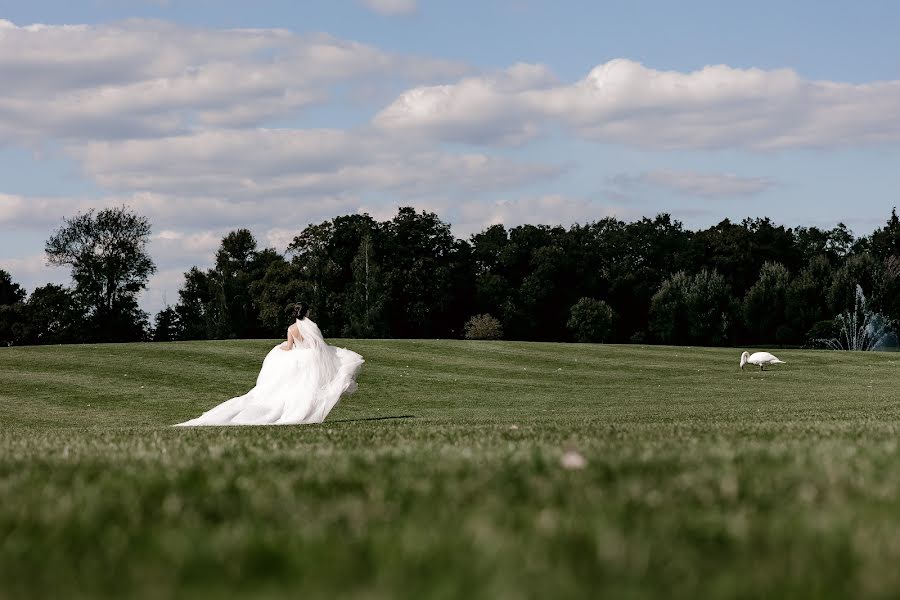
441 477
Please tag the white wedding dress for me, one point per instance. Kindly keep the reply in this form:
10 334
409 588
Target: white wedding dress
300 385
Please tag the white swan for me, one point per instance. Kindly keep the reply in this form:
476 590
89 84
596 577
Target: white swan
761 359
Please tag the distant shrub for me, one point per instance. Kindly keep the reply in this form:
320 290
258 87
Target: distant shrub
591 320
483 327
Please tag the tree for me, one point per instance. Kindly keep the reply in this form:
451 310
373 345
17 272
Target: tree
52 315
235 312
421 276
107 254
889 289
318 275
834 245
365 299
194 308
858 269
765 305
636 258
591 320
275 292
806 300
669 313
167 327
10 291
711 307
11 297
694 309
886 240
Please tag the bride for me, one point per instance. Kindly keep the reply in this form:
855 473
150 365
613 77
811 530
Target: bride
301 380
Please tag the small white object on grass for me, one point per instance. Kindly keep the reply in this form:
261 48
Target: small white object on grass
573 461
761 359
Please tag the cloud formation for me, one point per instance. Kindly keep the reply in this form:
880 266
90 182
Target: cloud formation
150 78
698 185
282 163
392 7
197 129
624 102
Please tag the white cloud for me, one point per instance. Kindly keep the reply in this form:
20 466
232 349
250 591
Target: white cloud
702 185
151 78
392 7
477 110
624 102
173 216
322 165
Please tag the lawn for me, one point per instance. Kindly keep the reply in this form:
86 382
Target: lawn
442 476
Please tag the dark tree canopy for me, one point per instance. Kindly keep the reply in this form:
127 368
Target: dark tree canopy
11 297
886 240
650 280
107 254
10 291
52 316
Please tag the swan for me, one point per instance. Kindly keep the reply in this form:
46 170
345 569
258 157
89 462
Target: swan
760 358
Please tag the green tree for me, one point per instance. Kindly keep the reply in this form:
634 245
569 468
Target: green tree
279 287
10 291
889 289
591 320
366 293
834 244
694 309
636 258
107 254
669 311
765 305
858 269
225 301
52 315
319 275
167 327
195 306
424 299
886 240
234 312
806 300
11 297
738 251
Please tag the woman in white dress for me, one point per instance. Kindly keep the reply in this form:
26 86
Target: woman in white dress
301 380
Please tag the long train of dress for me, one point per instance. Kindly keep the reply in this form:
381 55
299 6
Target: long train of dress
300 385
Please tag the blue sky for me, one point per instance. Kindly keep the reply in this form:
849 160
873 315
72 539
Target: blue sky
505 111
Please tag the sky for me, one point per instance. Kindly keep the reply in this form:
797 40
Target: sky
211 115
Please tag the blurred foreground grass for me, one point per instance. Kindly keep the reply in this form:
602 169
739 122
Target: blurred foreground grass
441 477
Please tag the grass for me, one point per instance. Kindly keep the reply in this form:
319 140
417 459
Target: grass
441 477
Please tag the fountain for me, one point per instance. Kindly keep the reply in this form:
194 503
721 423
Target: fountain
862 329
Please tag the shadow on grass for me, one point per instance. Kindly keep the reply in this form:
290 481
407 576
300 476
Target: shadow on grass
373 419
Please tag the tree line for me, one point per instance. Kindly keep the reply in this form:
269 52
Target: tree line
649 280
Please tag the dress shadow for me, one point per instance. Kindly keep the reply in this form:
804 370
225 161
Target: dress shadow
371 419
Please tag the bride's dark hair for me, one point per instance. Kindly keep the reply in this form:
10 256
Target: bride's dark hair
298 310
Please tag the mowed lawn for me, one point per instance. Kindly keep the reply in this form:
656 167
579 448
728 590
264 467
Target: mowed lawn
442 476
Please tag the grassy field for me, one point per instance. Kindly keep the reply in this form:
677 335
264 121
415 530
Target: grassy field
442 476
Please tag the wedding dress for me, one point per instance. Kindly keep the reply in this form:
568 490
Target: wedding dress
300 385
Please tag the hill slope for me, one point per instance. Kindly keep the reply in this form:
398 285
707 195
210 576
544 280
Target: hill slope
441 477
